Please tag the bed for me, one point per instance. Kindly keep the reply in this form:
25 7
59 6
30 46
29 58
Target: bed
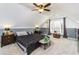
28 43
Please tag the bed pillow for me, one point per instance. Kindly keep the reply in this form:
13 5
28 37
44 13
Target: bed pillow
21 33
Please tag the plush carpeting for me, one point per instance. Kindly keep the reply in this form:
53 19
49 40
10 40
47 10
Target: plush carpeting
58 47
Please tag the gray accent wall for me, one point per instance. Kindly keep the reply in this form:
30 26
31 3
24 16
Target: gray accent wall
71 32
44 30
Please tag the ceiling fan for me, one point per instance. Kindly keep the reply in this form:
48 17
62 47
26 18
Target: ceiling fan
41 7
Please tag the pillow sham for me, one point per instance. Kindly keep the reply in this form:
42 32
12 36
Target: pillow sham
21 33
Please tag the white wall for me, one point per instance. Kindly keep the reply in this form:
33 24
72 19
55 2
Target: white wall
17 15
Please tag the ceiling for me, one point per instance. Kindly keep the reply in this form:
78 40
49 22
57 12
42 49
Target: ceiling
58 10
21 14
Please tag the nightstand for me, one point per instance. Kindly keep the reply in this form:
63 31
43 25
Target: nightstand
7 39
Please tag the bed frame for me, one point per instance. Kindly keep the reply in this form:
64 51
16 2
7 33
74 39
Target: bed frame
28 43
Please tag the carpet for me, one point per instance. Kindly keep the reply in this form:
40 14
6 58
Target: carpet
60 46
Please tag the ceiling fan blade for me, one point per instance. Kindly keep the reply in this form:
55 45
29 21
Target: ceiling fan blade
34 9
48 4
47 10
35 4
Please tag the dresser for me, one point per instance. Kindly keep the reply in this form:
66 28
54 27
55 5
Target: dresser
56 35
7 39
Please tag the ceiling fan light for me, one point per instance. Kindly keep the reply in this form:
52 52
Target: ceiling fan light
40 10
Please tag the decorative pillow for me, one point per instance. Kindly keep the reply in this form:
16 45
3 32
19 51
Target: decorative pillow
21 33
28 33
